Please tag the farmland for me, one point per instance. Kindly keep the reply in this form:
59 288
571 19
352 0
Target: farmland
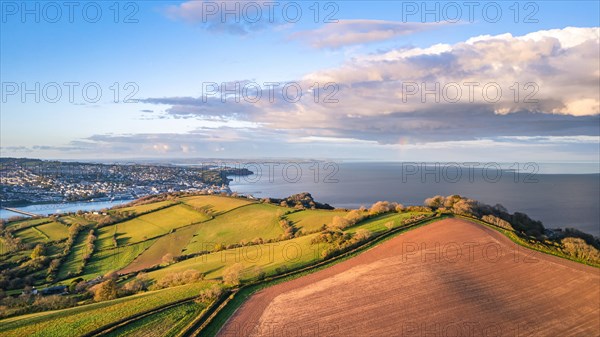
165 323
40 231
312 220
169 244
151 225
214 204
158 253
141 209
267 257
84 319
114 259
473 288
234 226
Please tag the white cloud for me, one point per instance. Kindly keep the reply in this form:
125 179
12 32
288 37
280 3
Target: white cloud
351 32
561 65
375 107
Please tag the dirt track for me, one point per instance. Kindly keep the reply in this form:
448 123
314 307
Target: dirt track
449 278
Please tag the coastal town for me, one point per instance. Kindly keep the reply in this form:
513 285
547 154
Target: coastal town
27 181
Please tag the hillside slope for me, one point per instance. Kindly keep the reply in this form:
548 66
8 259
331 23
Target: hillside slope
452 277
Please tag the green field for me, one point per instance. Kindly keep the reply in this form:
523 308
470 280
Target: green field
169 244
22 224
75 257
269 256
243 223
42 230
311 220
31 235
215 204
54 230
163 324
378 224
293 253
73 219
84 319
146 208
149 225
114 259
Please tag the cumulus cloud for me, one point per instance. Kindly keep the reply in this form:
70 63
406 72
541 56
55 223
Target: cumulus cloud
351 32
556 72
388 97
374 109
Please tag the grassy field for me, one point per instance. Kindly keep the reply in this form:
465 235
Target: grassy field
215 204
114 259
22 224
147 207
44 231
169 244
166 323
379 224
80 320
73 219
269 257
313 219
31 235
243 223
149 225
54 230
75 257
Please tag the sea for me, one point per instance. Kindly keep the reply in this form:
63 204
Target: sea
558 194
58 208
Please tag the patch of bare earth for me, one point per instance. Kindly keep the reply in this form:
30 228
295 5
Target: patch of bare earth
449 278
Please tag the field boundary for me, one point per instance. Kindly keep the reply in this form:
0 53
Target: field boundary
198 323
39 231
127 320
514 237
213 325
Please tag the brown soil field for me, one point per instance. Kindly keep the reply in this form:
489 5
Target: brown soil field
449 278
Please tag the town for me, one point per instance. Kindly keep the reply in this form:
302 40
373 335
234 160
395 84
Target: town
30 181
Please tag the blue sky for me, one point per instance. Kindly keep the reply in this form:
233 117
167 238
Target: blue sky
170 52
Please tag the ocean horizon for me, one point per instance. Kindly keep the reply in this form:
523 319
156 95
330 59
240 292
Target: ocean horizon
557 199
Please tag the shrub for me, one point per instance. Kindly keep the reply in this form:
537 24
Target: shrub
435 202
362 234
382 207
339 222
139 283
106 290
497 221
54 302
578 248
168 258
38 252
210 294
177 279
232 274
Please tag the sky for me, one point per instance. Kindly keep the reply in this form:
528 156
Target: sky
354 80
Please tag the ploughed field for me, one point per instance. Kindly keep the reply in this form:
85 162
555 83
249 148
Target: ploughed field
449 278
